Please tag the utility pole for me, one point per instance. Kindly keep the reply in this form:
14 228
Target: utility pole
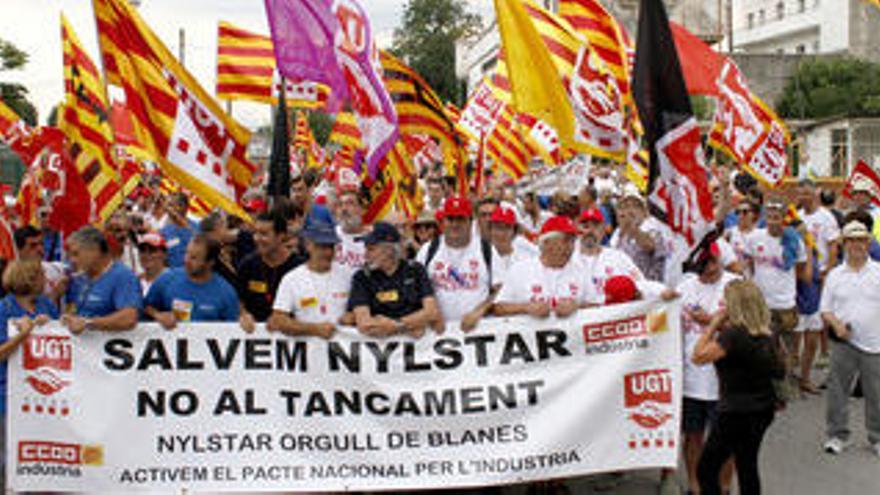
181 46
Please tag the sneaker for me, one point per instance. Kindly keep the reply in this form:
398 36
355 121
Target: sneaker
835 446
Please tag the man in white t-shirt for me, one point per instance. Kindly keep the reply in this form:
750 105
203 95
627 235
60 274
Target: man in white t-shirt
350 215
702 296
311 298
600 263
509 247
851 307
552 283
459 265
777 258
824 232
642 237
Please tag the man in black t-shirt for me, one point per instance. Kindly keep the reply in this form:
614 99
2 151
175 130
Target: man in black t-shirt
260 273
392 295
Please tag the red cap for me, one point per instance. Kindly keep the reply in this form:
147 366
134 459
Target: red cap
256 205
620 289
457 206
591 215
153 239
503 215
559 224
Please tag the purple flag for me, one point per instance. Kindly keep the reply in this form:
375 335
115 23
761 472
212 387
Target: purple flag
331 42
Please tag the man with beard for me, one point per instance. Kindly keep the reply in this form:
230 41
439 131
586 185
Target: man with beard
552 283
311 299
350 212
194 292
460 266
391 295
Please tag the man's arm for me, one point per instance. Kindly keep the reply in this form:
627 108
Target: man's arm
429 315
284 323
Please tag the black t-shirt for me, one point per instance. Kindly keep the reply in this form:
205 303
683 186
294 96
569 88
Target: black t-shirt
258 283
395 296
746 371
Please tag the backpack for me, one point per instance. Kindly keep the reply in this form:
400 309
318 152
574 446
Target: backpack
485 248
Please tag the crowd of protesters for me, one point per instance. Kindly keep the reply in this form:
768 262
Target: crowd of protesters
783 284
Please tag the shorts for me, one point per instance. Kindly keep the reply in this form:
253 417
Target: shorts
698 415
810 323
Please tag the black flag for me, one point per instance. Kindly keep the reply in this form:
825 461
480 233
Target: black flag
678 182
279 160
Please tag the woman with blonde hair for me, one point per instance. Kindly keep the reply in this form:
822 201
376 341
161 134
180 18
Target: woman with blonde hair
25 306
740 344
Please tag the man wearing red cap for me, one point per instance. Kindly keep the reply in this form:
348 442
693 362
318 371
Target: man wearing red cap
602 263
460 266
153 256
552 283
509 247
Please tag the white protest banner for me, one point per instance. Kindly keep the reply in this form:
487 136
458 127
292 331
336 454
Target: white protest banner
207 407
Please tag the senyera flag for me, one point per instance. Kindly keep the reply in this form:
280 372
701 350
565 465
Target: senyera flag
678 183
331 42
865 177
197 145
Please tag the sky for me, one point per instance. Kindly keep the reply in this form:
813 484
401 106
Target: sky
34 26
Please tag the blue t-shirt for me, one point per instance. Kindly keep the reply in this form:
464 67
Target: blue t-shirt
115 289
214 300
11 310
177 238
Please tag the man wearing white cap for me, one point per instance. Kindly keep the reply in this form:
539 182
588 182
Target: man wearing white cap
863 194
851 307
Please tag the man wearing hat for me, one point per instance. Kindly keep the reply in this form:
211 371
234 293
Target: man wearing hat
153 256
509 247
460 266
851 307
392 295
426 228
311 299
601 263
552 283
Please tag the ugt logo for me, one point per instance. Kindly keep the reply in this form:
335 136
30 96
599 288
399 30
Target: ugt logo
48 360
647 397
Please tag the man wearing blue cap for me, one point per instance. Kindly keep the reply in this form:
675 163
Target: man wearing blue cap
391 295
311 298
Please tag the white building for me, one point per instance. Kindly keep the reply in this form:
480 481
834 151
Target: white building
849 27
832 147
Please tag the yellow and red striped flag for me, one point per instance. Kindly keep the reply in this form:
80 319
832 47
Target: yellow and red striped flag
304 142
84 119
419 110
197 145
246 71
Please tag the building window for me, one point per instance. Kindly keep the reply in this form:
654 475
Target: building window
816 46
761 18
751 20
802 5
839 153
801 49
780 11
780 51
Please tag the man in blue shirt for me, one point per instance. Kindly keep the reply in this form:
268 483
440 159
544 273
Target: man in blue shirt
179 230
301 190
195 292
105 295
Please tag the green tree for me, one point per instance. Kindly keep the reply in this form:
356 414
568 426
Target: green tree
15 95
830 87
426 38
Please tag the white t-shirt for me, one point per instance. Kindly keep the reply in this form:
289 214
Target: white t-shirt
824 229
533 226
738 241
53 273
728 255
779 286
314 297
854 298
460 277
522 250
350 253
700 381
531 281
608 263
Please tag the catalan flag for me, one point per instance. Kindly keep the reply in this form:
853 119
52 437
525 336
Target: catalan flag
419 110
246 71
346 135
196 143
85 122
304 142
